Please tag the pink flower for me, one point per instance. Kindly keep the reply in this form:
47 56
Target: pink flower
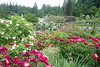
27 45
48 45
53 41
91 45
17 63
10 43
34 60
69 41
85 43
26 64
39 44
89 37
16 57
63 43
58 38
26 58
64 37
69 37
93 42
95 56
97 46
61 40
74 41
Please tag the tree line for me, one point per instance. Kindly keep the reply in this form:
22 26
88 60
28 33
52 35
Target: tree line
79 7
9 9
70 8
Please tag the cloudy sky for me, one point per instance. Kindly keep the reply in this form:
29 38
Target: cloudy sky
30 3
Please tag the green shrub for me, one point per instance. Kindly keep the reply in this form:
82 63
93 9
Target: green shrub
13 30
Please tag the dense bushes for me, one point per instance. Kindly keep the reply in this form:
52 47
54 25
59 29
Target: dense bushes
14 30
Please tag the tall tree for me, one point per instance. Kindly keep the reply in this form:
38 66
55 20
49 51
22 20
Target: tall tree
69 8
64 8
35 9
2 14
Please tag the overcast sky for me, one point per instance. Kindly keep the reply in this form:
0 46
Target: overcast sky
30 3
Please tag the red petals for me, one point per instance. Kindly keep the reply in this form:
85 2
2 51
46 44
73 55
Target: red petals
26 64
95 56
10 43
27 45
58 38
85 43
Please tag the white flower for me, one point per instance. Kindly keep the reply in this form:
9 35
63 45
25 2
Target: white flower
20 32
10 22
35 34
31 37
13 47
32 44
90 27
23 19
17 45
30 31
2 33
7 25
14 38
24 51
15 41
6 37
22 39
17 24
27 24
2 21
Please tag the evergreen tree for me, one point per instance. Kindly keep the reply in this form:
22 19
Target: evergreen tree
2 14
69 8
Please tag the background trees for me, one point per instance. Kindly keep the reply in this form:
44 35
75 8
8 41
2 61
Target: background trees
7 10
78 7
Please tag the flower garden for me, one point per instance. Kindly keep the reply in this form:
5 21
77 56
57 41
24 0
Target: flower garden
71 45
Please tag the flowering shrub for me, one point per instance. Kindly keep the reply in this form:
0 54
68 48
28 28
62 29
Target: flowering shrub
82 47
13 30
26 59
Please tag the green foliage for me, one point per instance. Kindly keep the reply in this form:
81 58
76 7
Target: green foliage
7 10
78 49
54 18
31 17
93 10
2 14
13 30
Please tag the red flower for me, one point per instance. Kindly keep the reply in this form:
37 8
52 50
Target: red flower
34 60
10 43
69 41
58 38
16 63
16 57
85 43
63 43
74 41
61 40
95 56
97 46
91 45
98 38
93 42
89 37
69 37
64 37
39 44
27 45
26 58
26 64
